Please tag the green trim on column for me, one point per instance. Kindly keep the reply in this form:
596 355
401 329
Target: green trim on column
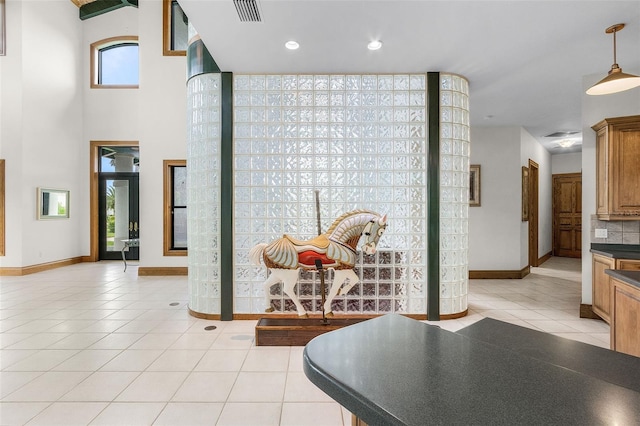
433 195
199 60
226 199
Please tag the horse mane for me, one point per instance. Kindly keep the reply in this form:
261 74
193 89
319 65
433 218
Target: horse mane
347 215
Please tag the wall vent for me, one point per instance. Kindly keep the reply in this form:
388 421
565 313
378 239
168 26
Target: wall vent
248 10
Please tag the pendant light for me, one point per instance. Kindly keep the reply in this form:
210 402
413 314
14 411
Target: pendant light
616 81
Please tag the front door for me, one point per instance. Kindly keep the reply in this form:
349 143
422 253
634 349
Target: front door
117 215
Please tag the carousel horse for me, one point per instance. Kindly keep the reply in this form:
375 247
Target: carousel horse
336 249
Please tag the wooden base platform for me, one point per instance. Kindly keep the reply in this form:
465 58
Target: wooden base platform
296 331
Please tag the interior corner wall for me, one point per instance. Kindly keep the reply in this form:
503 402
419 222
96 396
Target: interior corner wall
162 100
495 226
11 134
532 149
42 130
154 114
566 163
595 109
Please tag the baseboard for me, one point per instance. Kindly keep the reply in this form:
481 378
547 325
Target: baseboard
587 312
544 258
32 269
150 271
499 275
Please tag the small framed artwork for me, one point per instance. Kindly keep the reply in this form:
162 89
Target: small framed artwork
525 193
52 204
474 185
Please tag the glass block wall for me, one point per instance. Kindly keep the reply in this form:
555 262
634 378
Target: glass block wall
358 139
203 192
454 193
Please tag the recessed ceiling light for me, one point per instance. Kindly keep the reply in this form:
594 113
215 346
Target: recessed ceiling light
374 45
566 143
291 45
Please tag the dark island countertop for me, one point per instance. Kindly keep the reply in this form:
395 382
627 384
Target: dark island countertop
393 370
617 251
629 277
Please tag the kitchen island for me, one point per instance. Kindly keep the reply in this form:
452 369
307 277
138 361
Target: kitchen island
393 370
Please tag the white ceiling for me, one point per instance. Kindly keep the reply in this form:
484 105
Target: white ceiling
525 60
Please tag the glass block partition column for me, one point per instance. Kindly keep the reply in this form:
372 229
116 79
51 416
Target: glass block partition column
454 193
360 141
203 191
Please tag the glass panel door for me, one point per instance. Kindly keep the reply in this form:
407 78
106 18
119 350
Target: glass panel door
118 215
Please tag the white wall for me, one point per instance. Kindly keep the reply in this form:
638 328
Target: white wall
162 129
42 130
594 109
531 149
497 221
566 163
45 136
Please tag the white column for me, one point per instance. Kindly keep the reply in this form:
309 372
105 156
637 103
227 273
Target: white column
204 93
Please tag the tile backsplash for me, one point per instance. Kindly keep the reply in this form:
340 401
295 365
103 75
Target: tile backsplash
618 231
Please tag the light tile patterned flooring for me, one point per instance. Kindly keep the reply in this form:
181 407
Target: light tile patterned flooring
91 344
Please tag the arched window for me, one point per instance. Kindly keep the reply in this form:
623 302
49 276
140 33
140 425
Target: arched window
114 63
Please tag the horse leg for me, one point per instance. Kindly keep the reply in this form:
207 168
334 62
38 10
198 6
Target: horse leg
338 279
289 280
353 280
274 278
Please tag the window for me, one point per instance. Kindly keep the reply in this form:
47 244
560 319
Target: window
174 29
2 30
114 63
175 207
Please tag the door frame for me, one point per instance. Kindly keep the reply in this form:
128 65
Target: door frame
94 167
533 212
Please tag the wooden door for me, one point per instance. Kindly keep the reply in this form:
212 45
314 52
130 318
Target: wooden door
567 215
533 213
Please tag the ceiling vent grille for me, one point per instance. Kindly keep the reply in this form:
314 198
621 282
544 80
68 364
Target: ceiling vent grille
248 10
560 134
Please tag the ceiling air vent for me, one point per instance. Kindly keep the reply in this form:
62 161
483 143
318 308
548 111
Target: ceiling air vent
560 134
248 10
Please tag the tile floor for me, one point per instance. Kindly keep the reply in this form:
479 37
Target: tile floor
91 344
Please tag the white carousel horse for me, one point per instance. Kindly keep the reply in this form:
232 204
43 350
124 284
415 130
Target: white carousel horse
336 249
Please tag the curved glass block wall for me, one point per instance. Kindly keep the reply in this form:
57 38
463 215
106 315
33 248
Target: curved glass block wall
203 192
358 139
454 193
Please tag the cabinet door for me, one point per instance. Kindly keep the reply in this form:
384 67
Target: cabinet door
628 264
625 323
626 173
601 286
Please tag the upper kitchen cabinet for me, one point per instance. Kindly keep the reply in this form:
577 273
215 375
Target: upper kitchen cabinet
618 168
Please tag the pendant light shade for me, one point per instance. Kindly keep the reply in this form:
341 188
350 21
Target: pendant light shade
616 81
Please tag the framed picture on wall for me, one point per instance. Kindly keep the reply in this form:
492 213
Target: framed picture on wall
525 193
52 204
474 185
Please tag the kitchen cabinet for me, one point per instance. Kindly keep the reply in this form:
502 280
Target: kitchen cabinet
601 282
618 168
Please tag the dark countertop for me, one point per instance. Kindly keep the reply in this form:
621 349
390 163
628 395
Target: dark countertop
393 370
629 277
617 251
613 367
